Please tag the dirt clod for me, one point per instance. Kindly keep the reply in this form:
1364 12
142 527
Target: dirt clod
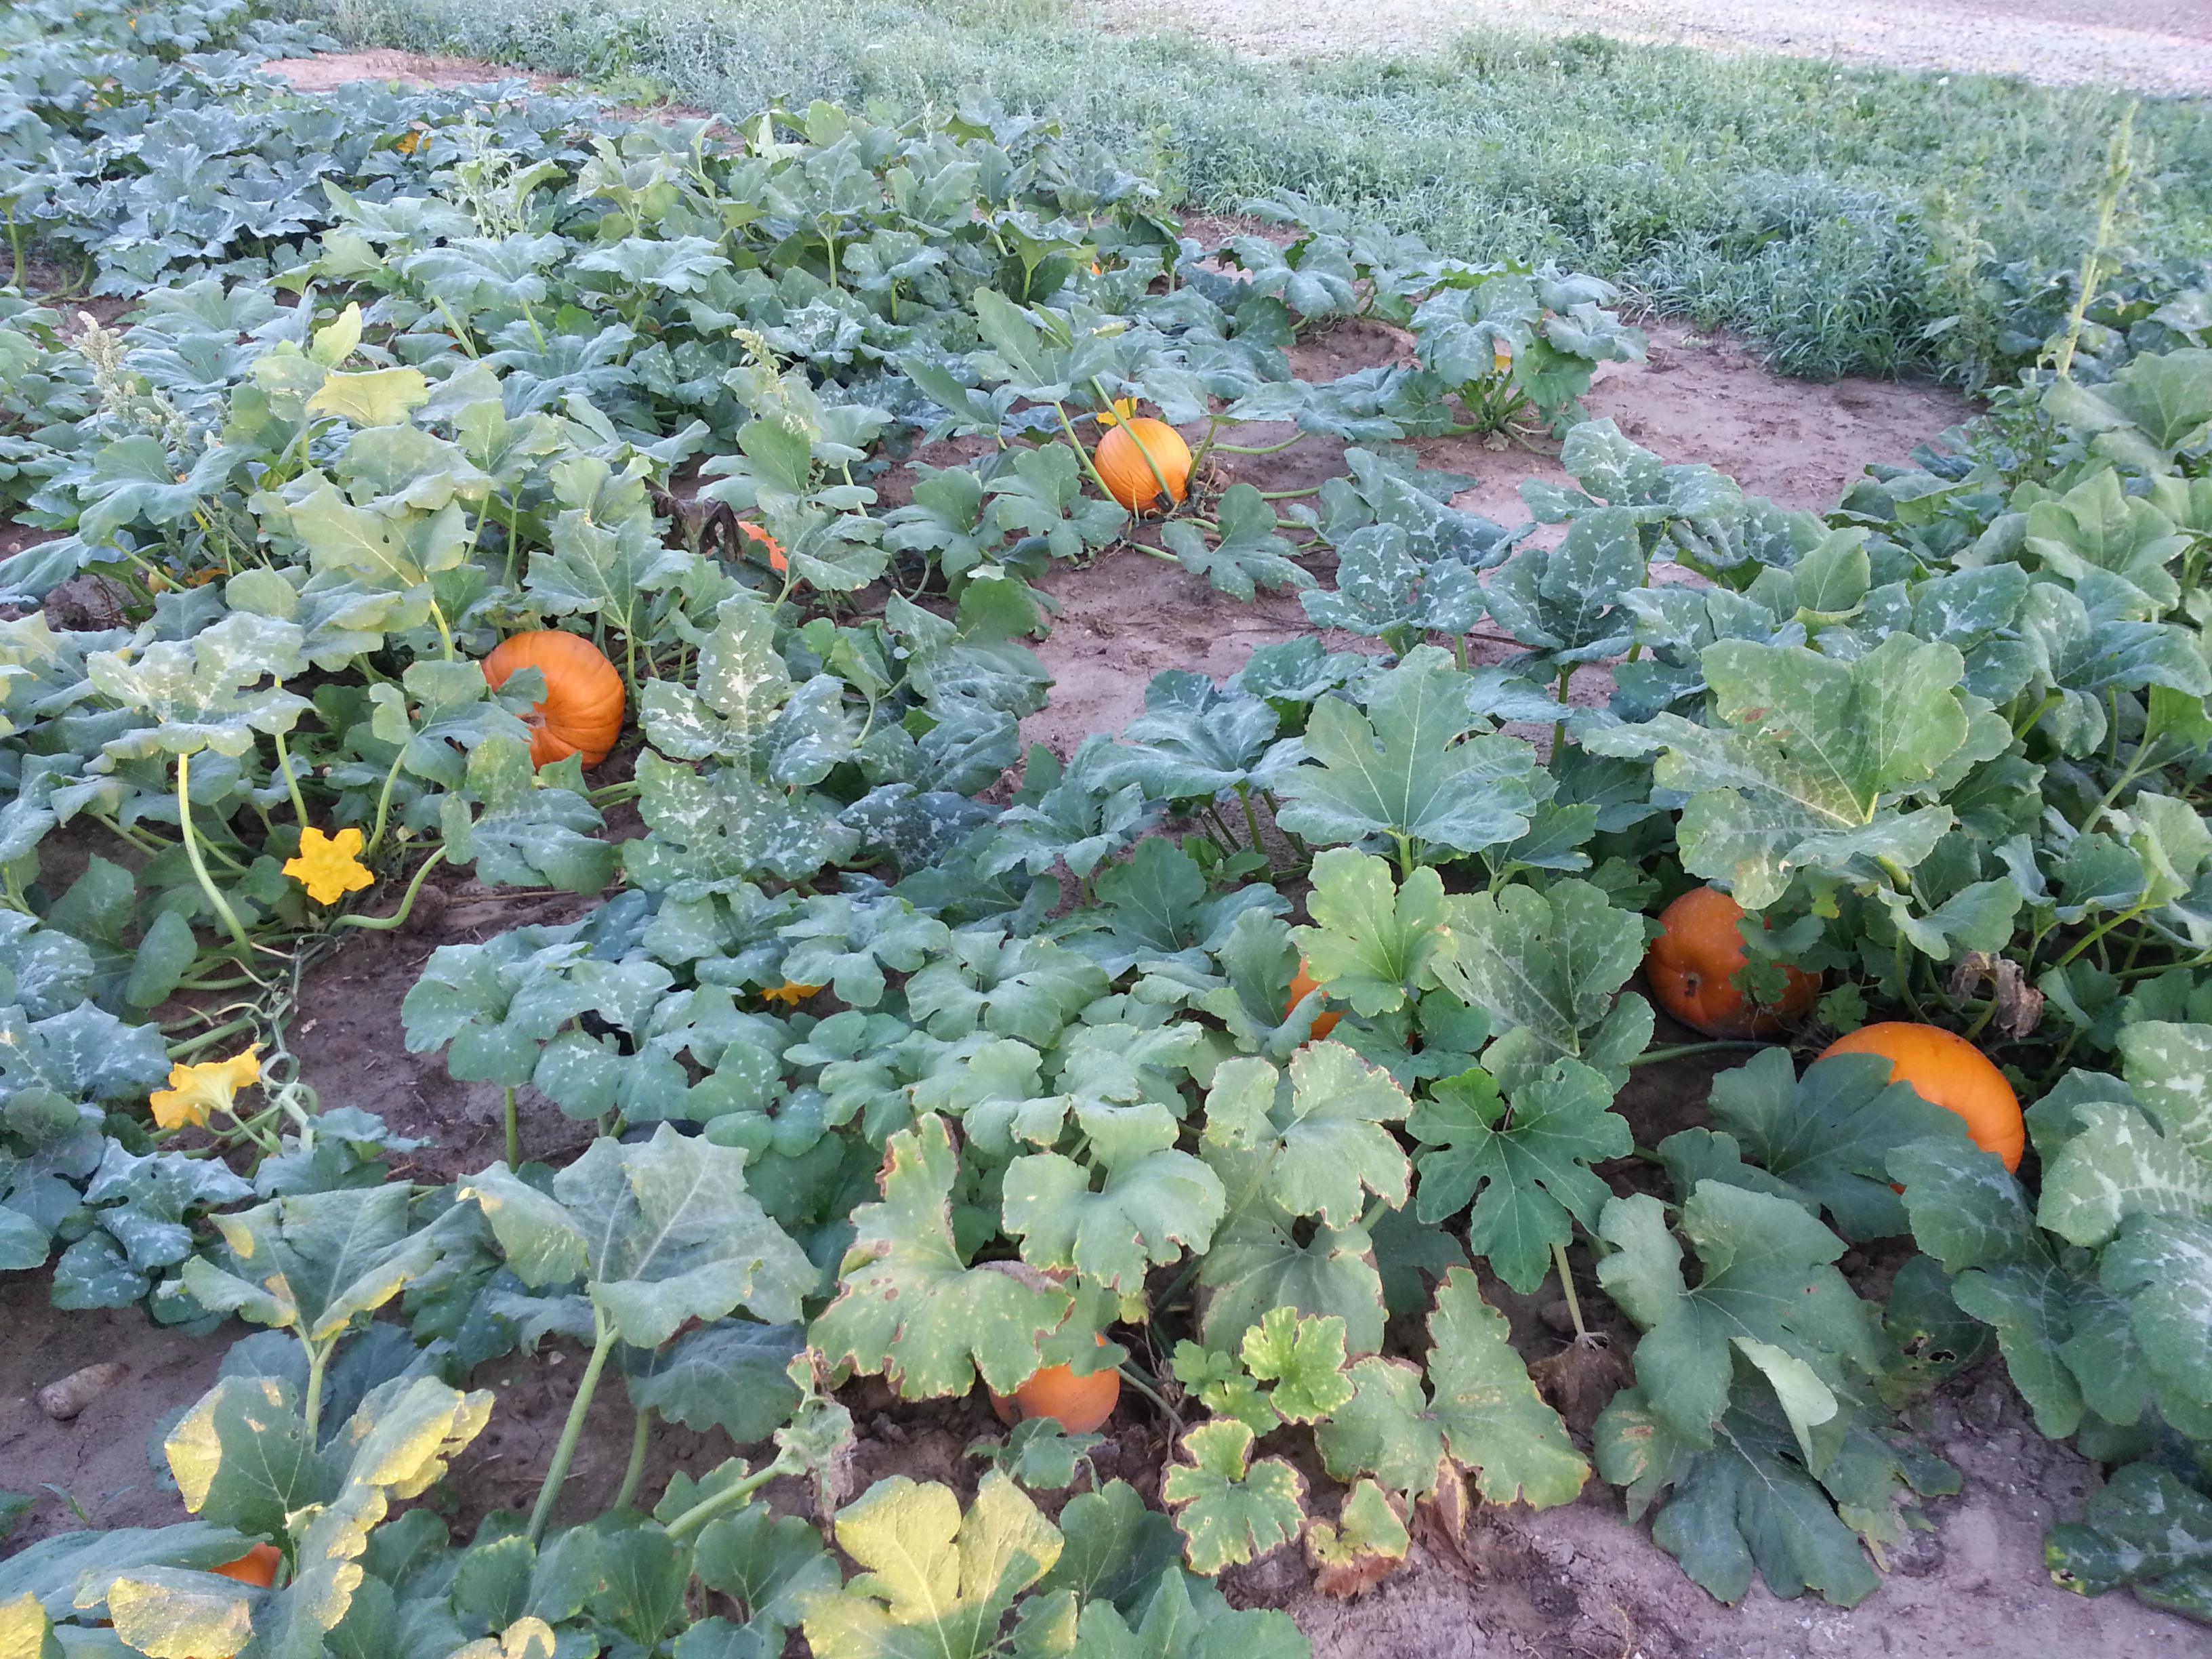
64 1400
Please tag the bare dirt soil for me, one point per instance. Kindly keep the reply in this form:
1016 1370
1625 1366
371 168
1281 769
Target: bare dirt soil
2162 47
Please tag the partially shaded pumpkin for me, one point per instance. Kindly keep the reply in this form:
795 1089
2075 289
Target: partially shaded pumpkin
1946 1070
582 711
1693 962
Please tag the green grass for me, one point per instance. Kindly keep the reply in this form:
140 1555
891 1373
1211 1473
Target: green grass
1836 215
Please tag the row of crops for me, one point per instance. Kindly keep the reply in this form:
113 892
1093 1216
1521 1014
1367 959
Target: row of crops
1211 1061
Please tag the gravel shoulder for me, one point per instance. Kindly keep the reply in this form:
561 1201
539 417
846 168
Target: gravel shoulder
2158 46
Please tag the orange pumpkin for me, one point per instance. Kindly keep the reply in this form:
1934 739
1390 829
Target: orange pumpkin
1081 1403
1301 987
257 1566
1692 964
583 708
776 561
1949 1071
1122 467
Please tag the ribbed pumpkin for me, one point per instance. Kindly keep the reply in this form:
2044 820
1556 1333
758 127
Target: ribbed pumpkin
1691 964
1081 1403
1300 987
1121 465
582 712
1947 1071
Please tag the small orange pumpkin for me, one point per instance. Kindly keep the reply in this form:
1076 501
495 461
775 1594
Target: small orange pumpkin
1081 1403
1122 467
1304 984
1692 964
774 548
583 708
257 1566
1947 1071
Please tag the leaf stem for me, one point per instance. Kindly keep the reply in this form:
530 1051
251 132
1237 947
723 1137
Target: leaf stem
1652 1056
707 1508
1252 822
383 806
398 918
1129 1375
1567 1288
318 1355
635 1472
514 1162
199 864
564 1452
291 783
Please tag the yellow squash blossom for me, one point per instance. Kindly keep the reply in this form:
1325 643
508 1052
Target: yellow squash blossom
1124 409
790 994
329 866
211 1085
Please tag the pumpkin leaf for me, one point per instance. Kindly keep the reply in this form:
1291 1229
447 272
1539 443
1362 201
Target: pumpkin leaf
1527 1171
1247 554
1373 942
1481 1408
1231 1510
1409 769
910 1306
1546 966
1768 1277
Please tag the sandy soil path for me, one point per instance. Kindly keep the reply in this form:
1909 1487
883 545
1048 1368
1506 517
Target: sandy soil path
2162 47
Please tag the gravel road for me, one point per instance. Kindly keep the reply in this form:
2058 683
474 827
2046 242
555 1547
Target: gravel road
2162 47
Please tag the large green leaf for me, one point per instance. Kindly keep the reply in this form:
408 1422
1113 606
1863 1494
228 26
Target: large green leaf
907 1304
1481 1408
1247 554
1229 1509
1546 965
1829 1136
1372 942
315 1261
1152 1201
1527 1170
198 690
1807 757
1410 768
244 1457
403 1438
711 831
741 682
1745 1502
1319 1132
663 1229
1767 1280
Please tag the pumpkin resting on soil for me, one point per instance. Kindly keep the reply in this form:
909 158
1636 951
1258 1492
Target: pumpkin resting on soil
1121 465
1947 1071
582 713
1692 963
1301 987
1081 1403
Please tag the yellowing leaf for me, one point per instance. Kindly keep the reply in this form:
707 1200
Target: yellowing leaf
376 397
